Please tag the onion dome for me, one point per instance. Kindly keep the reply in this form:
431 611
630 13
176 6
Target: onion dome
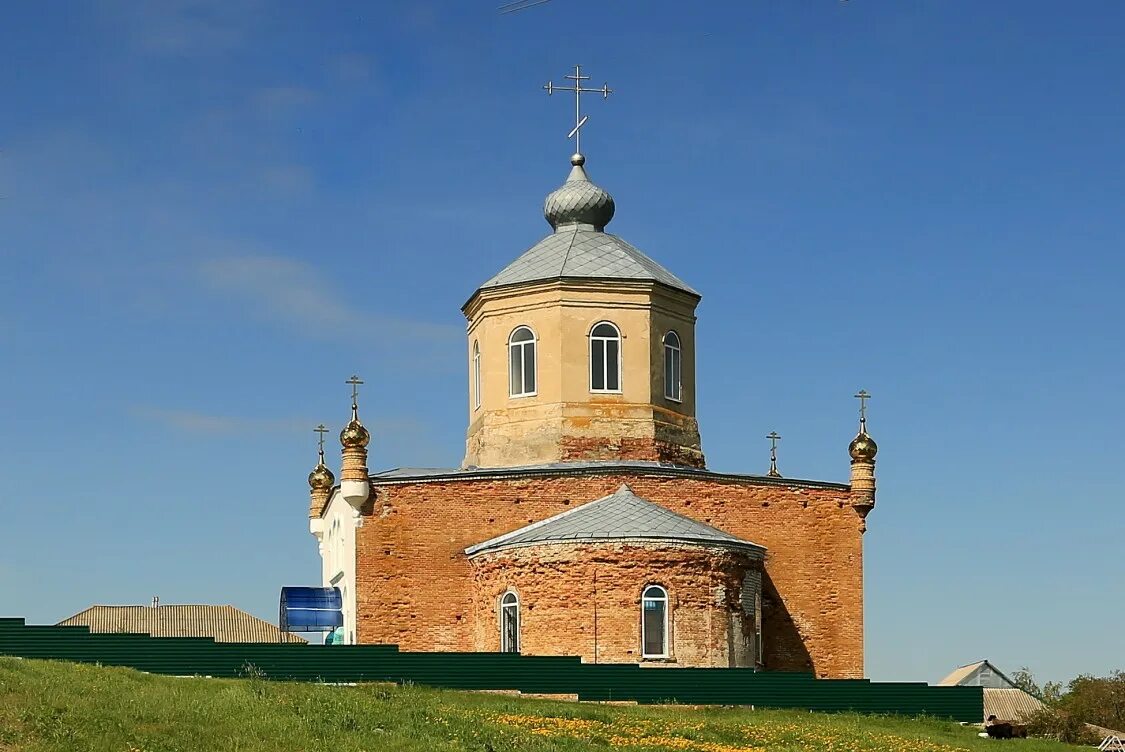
321 478
578 201
863 448
354 434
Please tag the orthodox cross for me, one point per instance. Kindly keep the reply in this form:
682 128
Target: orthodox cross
863 396
579 90
321 429
774 438
355 382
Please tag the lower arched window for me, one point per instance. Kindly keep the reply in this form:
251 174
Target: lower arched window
509 623
654 622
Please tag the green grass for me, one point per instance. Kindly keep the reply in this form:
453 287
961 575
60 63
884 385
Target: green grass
47 705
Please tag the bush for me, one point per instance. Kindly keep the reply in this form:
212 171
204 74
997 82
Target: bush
1065 713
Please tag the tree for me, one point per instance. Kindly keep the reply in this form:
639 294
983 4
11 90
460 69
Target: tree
1087 699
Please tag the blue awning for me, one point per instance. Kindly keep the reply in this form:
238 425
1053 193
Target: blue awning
309 609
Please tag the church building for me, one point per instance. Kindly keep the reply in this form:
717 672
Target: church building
583 520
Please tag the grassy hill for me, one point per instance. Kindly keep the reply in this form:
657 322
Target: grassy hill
46 705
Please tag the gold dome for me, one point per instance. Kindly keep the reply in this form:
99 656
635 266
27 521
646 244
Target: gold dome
354 435
321 478
863 448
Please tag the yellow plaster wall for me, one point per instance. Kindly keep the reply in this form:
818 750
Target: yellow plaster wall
564 419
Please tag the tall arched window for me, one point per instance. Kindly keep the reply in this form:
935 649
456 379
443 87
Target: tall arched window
605 358
673 367
476 374
654 622
509 623
521 362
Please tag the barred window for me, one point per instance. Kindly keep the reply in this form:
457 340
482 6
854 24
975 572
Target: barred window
510 623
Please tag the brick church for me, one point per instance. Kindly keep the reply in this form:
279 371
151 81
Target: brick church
583 519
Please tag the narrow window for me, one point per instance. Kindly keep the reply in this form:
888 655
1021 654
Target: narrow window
510 623
605 358
673 362
758 648
521 362
654 622
476 374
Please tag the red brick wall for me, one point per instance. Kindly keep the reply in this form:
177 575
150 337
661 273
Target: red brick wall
586 600
414 583
652 450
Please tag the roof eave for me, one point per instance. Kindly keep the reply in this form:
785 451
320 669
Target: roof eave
756 551
486 287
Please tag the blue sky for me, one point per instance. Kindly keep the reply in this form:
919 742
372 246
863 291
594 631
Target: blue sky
212 213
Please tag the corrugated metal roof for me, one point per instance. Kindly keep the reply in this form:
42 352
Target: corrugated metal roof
584 253
620 516
1009 704
224 623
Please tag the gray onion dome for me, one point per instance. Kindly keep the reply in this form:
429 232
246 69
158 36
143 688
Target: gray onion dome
578 201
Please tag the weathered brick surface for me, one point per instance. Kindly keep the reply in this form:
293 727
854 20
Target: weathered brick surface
585 600
625 448
415 585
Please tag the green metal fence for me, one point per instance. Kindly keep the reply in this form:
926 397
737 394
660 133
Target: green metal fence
191 656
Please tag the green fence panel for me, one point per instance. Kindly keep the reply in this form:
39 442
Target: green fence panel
563 675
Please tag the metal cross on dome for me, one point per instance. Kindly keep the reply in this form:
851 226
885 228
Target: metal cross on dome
321 429
355 382
862 396
579 90
774 437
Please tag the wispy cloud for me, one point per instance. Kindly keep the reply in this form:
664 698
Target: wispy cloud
189 27
296 296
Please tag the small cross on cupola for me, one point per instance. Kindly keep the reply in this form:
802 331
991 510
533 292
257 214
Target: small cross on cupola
774 437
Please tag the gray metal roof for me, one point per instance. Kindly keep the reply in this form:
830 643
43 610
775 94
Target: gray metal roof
620 516
580 251
587 467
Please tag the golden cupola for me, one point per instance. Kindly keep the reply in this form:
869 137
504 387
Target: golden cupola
321 480
863 450
354 438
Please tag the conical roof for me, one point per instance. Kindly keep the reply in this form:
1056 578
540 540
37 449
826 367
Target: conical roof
621 516
579 247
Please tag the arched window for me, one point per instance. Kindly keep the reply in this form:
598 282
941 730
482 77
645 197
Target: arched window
521 362
654 622
605 358
673 367
509 623
476 374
